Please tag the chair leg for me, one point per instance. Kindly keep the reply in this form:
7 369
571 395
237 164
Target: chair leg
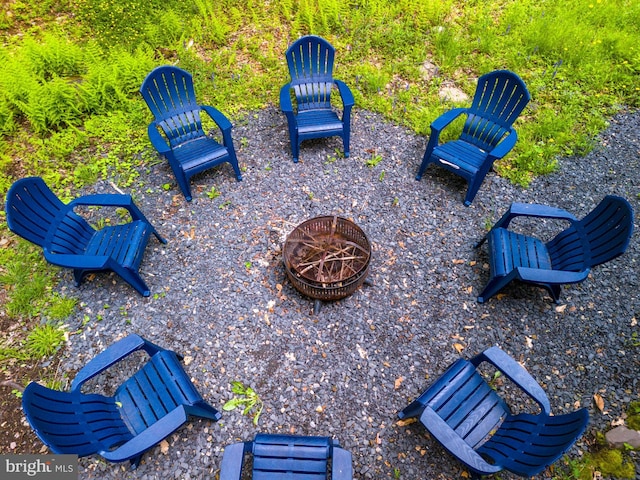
78 273
204 410
160 238
494 286
135 462
345 144
233 160
295 149
135 280
426 158
423 166
472 190
554 291
183 183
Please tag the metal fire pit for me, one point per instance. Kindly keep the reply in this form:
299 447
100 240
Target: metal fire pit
327 258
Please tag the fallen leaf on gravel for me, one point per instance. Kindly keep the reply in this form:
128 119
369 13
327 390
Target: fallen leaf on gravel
561 308
458 262
459 347
378 439
398 382
529 342
634 322
408 421
164 446
187 360
599 401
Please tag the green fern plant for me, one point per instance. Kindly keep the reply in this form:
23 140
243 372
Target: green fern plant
53 56
54 104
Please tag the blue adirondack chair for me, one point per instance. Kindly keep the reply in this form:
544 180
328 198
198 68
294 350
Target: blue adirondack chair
144 410
487 134
36 214
600 236
281 457
475 425
170 96
310 61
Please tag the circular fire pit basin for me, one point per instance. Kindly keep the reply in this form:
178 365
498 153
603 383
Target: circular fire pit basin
327 258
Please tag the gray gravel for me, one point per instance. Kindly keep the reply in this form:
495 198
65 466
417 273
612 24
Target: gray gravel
221 298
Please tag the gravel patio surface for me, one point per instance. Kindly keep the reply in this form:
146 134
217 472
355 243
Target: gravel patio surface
219 296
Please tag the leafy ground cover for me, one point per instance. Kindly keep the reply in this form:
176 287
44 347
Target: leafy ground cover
70 111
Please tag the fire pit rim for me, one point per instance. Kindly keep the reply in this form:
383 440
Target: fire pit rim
331 290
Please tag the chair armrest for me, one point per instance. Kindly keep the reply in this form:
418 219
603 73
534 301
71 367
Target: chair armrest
116 200
285 99
455 444
217 116
111 200
345 93
528 210
104 200
446 118
516 373
532 210
559 277
68 260
504 146
148 438
112 355
341 464
232 461
157 140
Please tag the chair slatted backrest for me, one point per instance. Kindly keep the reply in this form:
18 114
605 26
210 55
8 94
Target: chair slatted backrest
499 99
608 229
526 444
169 94
74 423
601 236
464 400
280 457
155 390
310 61
36 214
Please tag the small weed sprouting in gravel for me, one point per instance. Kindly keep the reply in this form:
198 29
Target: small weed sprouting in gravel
374 160
247 399
213 193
